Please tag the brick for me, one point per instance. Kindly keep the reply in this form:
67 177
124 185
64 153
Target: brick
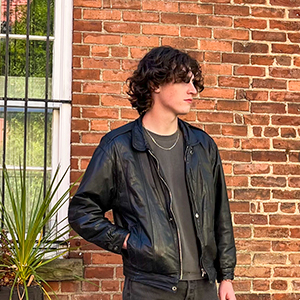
87 3
114 75
91 138
285 96
160 30
240 181
273 108
285 120
252 95
257 131
250 23
286 144
285 25
214 21
96 272
231 34
231 10
110 285
294 37
286 169
283 48
266 12
101 63
235 58
90 286
262 60
242 232
271 232
253 245
121 27
289 3
101 14
98 38
195 8
106 258
279 285
82 150
142 41
194 32
253 272
261 285
213 116
285 73
85 100
101 87
218 93
212 45
250 219
185 19
269 36
294 86
235 155
249 71
270 207
268 181
251 47
126 4
154 5
101 51
80 124
289 132
129 114
81 50
238 82
269 156
180 43
251 169
288 208
224 142
86 74
82 25
136 16
250 2
215 57
99 112
287 272
255 143
70 286
269 83
109 100
232 105
90 296
294 13
234 130
294 182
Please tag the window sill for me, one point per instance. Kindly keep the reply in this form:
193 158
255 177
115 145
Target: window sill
62 270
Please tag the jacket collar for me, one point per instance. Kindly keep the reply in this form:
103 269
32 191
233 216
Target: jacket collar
139 140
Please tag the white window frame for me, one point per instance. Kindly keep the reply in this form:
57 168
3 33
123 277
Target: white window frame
61 91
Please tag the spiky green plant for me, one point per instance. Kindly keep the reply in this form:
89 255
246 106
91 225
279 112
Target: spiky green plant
29 238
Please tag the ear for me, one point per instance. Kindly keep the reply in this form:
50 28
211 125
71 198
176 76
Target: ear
156 90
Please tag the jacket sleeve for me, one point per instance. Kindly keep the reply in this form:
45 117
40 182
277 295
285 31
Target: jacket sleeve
94 197
226 259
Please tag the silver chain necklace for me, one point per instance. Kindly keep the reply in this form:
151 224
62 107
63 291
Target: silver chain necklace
161 147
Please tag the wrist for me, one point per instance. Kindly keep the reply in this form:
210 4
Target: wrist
228 280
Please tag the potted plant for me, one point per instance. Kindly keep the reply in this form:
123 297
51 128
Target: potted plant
28 239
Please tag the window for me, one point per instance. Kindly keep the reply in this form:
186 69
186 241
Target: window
35 88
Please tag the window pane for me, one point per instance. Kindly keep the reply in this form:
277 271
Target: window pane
17 69
18 17
35 137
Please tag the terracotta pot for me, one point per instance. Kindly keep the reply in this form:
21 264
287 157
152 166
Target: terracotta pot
35 293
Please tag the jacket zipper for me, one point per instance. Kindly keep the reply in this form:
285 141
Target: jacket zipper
202 269
170 207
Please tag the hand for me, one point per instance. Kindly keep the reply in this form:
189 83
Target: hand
226 291
125 242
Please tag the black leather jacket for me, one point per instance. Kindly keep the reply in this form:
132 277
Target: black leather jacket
124 176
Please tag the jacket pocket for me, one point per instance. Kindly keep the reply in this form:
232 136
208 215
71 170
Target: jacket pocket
139 250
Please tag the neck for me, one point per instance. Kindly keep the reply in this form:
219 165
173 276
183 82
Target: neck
160 124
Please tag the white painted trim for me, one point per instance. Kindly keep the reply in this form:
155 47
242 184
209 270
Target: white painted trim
62 90
24 37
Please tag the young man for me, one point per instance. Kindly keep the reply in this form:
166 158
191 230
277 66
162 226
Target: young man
164 182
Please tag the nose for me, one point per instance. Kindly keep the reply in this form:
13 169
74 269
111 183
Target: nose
192 90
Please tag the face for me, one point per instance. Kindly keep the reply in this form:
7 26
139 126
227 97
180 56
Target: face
175 98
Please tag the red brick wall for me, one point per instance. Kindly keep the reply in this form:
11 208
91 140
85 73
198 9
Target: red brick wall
250 55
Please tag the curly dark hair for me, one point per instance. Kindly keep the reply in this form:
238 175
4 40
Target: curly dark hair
160 66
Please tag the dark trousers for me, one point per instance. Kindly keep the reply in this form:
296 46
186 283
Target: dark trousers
186 290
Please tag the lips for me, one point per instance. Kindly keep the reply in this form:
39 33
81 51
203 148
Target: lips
188 100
